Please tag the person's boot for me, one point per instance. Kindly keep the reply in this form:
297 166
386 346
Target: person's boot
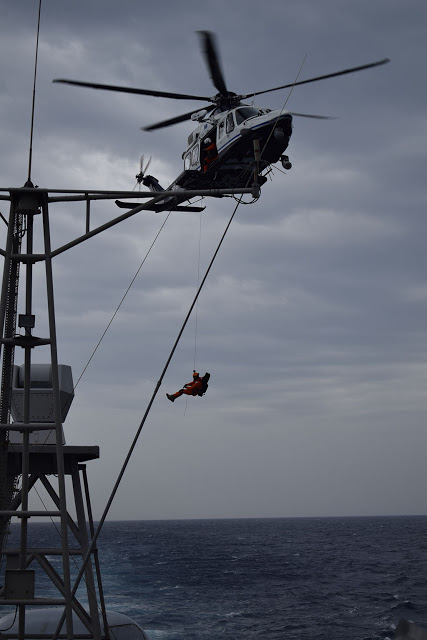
170 397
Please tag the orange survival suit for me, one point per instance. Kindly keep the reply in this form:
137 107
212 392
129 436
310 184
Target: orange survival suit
190 389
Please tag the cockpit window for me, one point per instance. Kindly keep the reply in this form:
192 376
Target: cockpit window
221 128
230 123
243 113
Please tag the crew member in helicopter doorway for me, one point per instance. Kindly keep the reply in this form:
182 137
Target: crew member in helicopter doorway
211 153
197 387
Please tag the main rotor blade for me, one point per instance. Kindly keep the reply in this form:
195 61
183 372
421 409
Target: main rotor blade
144 92
309 115
176 120
212 59
329 75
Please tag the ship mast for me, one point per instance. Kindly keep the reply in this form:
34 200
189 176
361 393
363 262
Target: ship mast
33 443
9 298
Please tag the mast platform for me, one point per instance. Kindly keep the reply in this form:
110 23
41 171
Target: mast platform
42 459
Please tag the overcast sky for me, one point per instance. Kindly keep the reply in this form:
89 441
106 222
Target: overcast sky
313 320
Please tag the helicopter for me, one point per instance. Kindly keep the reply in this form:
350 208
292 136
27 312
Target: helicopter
234 144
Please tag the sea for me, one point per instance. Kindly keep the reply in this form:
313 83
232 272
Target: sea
264 579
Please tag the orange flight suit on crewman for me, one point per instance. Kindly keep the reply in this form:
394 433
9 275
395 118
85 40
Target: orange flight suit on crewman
190 389
211 155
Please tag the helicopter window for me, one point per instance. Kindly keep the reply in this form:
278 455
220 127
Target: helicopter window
195 155
246 112
230 123
221 128
187 161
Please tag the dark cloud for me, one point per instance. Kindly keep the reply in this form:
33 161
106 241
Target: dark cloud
312 321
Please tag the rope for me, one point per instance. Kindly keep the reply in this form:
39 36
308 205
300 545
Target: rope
142 423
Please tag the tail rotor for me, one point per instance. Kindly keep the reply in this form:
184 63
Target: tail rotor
142 171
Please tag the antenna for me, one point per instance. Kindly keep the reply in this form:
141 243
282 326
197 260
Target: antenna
30 157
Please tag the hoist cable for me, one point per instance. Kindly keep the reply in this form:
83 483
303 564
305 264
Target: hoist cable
142 423
198 282
196 313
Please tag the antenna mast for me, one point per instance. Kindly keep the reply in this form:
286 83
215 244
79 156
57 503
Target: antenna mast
30 156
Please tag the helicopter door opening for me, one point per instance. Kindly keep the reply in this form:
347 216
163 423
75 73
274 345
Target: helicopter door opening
209 150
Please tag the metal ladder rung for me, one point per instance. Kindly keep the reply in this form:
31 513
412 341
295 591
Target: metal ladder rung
44 551
28 514
33 601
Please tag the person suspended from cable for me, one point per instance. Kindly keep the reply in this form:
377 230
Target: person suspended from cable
197 387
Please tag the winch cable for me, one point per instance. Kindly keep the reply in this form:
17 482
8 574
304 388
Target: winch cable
196 313
141 425
198 282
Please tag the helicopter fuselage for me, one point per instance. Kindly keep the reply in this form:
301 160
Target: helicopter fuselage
221 155
232 133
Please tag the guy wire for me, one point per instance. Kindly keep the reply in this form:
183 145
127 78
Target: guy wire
114 314
284 105
122 300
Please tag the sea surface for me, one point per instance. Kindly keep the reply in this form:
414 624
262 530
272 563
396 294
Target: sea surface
264 579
